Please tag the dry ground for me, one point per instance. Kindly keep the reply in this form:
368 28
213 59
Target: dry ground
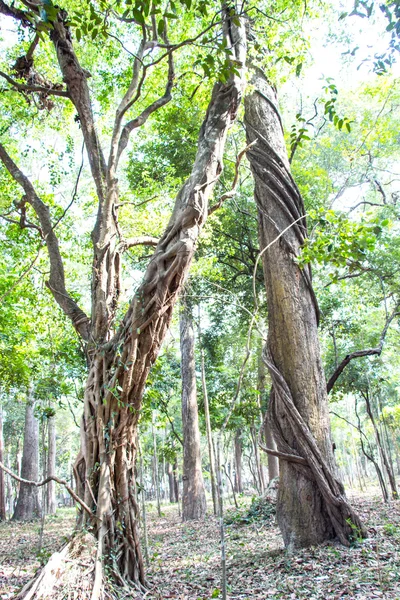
184 558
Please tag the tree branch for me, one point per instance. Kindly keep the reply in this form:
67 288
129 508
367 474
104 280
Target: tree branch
56 281
47 480
361 353
289 457
15 13
75 78
145 114
141 240
23 87
235 183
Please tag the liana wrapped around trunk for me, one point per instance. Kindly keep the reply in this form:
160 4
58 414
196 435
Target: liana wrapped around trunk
312 506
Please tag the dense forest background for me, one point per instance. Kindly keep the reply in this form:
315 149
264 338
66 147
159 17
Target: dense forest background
175 402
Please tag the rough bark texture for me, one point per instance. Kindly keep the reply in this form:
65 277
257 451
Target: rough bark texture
51 504
28 507
311 503
194 504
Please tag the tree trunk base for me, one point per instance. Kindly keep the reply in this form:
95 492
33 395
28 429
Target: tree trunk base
74 573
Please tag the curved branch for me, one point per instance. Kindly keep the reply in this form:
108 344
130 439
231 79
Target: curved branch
145 114
23 87
235 183
289 457
76 78
361 353
56 281
15 13
47 480
140 240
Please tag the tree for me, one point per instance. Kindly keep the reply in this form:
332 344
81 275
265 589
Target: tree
28 507
194 504
120 356
311 502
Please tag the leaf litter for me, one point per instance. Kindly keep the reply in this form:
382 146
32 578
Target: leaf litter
185 557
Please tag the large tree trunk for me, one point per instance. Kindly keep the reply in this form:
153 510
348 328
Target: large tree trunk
194 504
119 368
51 504
311 502
28 507
119 363
2 477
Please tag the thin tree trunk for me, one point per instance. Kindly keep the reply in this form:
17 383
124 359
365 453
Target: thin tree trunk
389 472
176 482
238 461
171 485
273 462
28 507
144 515
3 515
155 466
211 454
10 506
51 504
311 505
396 451
253 433
194 504
371 458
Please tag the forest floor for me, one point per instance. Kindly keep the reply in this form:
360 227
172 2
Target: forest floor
184 558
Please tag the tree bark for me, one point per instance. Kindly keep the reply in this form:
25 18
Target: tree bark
171 484
273 463
311 503
156 481
238 462
28 507
51 504
194 504
211 454
3 515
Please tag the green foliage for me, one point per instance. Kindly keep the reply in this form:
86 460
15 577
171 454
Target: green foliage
261 511
340 242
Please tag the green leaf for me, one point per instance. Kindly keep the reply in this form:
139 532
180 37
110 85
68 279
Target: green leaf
160 27
138 16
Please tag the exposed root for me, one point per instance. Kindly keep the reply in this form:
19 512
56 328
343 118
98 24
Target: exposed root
69 574
76 573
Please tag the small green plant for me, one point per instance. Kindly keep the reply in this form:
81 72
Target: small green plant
356 532
260 510
391 529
